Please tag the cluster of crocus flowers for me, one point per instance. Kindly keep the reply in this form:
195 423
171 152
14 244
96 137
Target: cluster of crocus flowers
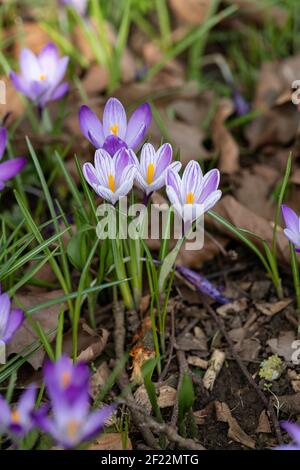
292 223
10 321
10 168
41 77
115 132
70 421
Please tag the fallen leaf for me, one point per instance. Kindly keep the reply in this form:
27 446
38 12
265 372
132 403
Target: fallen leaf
95 349
110 441
270 309
263 424
236 306
235 432
99 379
189 342
166 397
192 12
46 317
214 368
197 362
283 344
223 141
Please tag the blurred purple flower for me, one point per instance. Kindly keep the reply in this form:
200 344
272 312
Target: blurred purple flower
41 76
202 284
111 177
10 168
242 107
79 5
193 194
292 222
71 422
152 168
10 319
115 133
294 431
65 377
18 419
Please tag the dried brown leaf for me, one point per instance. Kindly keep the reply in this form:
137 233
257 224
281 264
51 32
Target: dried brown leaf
235 432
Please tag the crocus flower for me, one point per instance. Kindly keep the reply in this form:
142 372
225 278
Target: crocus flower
79 5
70 424
114 132
10 168
10 319
193 194
17 420
41 78
202 284
111 177
292 222
152 168
294 431
65 377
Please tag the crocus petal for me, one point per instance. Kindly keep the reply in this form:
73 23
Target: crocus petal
191 180
104 165
60 91
121 160
138 125
211 200
20 84
96 421
48 59
11 168
210 184
292 236
91 125
148 156
4 414
107 194
60 71
164 157
15 320
4 313
114 118
113 143
29 65
173 180
3 141
90 174
27 401
290 218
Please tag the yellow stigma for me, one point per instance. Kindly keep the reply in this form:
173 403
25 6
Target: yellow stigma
150 173
190 198
15 417
72 428
65 379
42 77
114 129
111 182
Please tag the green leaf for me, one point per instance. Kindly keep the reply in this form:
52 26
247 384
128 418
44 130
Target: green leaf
186 397
77 250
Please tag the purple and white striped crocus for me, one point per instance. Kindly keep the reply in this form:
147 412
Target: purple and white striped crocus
18 420
292 223
10 168
65 377
114 132
151 170
71 421
41 78
193 194
10 319
294 431
79 5
111 177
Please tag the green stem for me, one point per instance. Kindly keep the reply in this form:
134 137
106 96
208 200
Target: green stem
122 275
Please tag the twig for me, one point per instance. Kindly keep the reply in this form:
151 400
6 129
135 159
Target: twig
244 369
169 431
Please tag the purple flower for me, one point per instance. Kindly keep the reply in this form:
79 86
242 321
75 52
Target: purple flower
202 284
152 168
79 5
70 424
292 222
242 107
10 168
115 133
41 76
194 194
294 431
18 419
111 177
64 377
10 320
